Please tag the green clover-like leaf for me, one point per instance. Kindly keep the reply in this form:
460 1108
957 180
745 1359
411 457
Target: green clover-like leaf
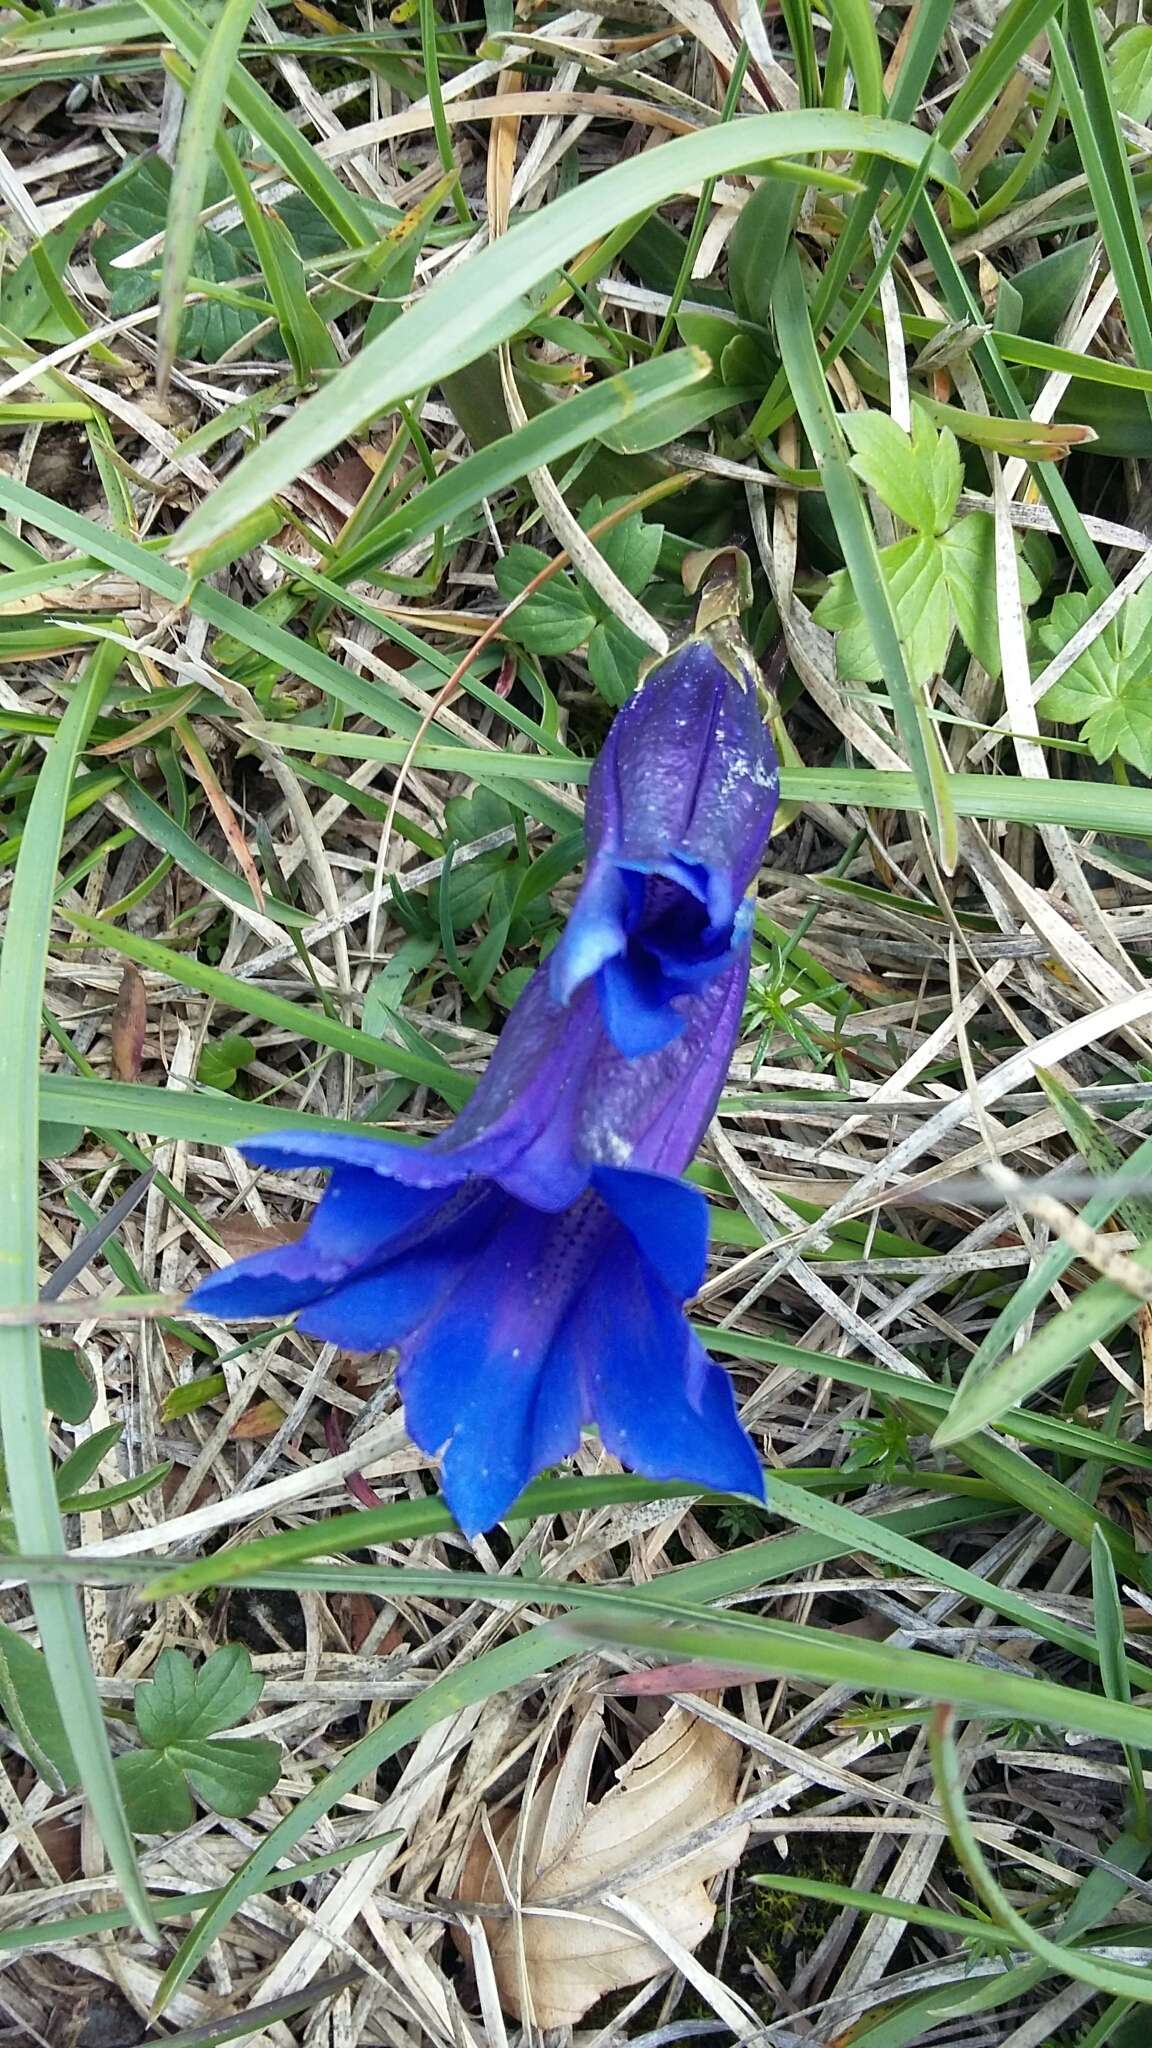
178 1717
939 584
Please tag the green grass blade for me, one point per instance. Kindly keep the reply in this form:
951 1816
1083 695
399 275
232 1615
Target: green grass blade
795 1649
190 173
1016 29
1118 1979
1046 1432
1083 77
1115 1669
580 419
840 1532
801 361
27 1457
1039 1282
430 56
483 302
1102 1308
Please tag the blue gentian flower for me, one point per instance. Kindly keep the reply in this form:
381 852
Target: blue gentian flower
531 1263
680 804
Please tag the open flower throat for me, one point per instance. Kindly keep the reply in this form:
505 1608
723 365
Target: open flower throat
530 1263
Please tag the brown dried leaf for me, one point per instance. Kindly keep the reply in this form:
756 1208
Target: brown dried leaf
242 1234
553 1967
262 1419
126 1031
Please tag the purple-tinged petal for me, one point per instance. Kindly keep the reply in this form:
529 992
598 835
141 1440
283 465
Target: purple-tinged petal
688 769
597 935
668 1221
651 1114
680 800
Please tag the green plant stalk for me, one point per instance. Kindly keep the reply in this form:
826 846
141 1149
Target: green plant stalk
31 1479
861 555
443 134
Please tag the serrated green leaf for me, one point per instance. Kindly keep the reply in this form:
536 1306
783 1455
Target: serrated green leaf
231 1776
890 463
183 1703
1094 675
156 1797
178 1714
1105 692
920 596
937 456
913 571
1124 727
555 619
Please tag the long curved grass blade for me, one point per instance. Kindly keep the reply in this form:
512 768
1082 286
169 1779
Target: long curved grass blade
428 1068
27 1457
190 173
580 419
1119 1980
483 302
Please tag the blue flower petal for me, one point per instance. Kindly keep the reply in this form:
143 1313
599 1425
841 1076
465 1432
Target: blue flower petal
662 1407
635 1000
478 1382
668 1220
380 1310
357 1215
327 1148
595 932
